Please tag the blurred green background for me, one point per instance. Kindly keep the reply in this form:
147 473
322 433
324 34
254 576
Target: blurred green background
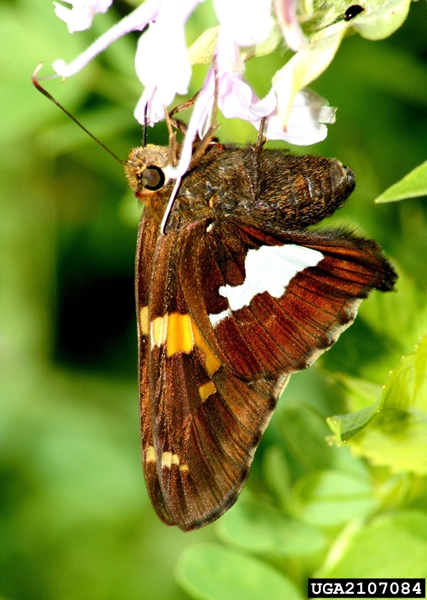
75 520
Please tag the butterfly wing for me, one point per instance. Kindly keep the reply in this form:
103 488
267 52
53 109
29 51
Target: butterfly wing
147 240
216 348
269 305
200 422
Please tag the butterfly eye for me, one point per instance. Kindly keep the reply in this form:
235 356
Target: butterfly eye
153 178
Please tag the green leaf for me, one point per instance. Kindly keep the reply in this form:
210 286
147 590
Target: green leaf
358 393
277 477
305 431
399 317
397 437
332 498
212 572
412 185
202 50
258 527
305 66
345 427
406 386
384 19
391 546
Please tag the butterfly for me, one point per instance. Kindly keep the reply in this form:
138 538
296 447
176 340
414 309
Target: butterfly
234 294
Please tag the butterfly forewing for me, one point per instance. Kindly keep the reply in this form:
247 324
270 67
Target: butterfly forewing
200 422
147 238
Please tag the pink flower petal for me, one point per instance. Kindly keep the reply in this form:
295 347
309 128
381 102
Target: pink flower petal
134 21
246 23
291 30
80 16
161 59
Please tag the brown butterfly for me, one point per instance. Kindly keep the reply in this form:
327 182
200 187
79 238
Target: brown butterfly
233 296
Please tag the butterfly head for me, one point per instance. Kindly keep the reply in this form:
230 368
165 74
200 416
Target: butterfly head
148 170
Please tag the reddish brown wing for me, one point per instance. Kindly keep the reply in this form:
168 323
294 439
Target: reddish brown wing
272 335
147 240
208 387
200 423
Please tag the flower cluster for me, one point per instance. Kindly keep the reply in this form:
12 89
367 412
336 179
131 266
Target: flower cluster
291 112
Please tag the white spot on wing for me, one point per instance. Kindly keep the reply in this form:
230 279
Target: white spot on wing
268 269
216 319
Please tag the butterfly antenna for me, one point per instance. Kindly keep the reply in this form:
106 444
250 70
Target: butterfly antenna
52 99
144 129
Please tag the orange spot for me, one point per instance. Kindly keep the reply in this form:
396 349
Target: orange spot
206 390
179 336
211 361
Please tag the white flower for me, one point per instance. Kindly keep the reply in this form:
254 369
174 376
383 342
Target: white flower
134 21
291 30
306 122
79 17
236 98
163 66
245 22
161 59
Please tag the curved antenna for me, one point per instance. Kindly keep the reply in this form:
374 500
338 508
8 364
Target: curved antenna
41 89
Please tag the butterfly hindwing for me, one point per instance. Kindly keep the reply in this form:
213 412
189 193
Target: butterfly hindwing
269 319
